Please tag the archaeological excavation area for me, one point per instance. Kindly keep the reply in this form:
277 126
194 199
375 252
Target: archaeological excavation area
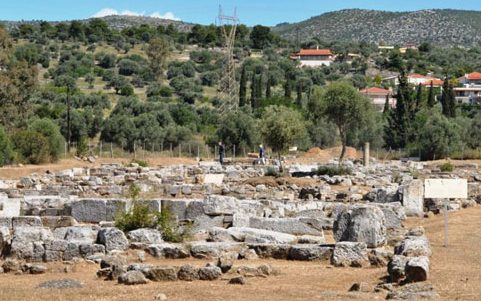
238 232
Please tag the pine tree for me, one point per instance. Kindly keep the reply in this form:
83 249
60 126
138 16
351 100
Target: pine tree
243 88
431 96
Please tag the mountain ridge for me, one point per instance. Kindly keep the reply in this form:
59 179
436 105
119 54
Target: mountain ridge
444 27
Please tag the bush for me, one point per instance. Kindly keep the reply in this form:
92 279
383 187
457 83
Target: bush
171 232
141 163
51 131
446 167
82 147
139 215
333 170
31 146
6 152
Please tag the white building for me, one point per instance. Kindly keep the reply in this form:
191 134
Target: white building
314 57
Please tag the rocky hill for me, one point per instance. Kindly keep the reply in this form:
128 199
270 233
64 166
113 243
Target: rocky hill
440 27
118 22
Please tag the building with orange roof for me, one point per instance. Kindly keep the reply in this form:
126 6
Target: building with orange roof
471 79
314 57
378 96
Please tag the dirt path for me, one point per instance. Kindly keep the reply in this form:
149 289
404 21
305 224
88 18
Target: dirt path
455 271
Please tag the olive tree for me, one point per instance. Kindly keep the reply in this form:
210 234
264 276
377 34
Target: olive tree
344 106
282 127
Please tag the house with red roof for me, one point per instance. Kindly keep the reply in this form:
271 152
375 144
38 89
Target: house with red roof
314 57
471 79
378 96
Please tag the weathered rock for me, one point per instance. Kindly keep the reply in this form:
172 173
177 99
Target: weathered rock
413 198
361 224
112 239
221 205
77 234
276 251
413 246
397 268
417 269
161 273
293 226
160 297
110 261
61 284
310 252
132 278
352 254
360 287
210 273
250 235
413 291
147 236
225 263
240 280
11 266
26 221
36 269
394 214
188 273
167 250
28 242
211 250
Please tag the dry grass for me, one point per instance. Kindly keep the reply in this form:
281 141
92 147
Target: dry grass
297 281
455 269
15 172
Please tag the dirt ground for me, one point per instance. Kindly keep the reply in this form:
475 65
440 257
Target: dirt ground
454 273
15 172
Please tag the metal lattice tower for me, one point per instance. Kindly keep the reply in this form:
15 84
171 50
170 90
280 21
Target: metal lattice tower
228 91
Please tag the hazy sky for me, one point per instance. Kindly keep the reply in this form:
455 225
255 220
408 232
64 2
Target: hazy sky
250 12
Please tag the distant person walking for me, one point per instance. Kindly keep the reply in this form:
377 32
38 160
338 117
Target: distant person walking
262 155
221 152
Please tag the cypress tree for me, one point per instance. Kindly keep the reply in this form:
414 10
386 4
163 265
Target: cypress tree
398 129
448 100
419 96
287 89
259 87
299 93
268 87
243 88
387 108
431 96
253 92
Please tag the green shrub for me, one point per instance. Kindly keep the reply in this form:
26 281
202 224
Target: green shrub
82 147
138 216
6 151
141 163
31 146
167 224
51 132
446 167
333 170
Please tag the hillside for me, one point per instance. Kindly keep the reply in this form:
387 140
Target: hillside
440 27
118 22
